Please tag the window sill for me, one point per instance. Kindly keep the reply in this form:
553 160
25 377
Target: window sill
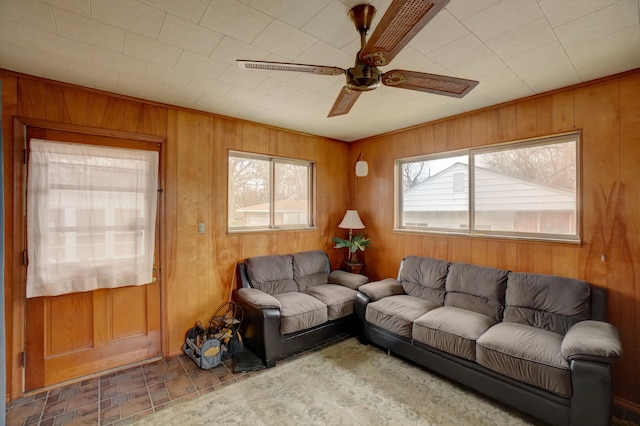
515 238
269 230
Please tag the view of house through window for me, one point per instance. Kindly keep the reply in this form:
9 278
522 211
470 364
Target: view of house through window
269 192
522 189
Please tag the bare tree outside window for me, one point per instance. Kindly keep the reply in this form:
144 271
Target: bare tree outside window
540 197
550 164
292 194
417 171
292 181
414 173
250 179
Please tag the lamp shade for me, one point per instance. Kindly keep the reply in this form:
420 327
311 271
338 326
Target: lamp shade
351 220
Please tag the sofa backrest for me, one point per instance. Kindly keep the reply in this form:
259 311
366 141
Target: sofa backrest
546 301
477 288
424 277
310 268
598 303
272 274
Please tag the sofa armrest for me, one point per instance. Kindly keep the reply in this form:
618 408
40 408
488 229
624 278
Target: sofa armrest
257 299
347 279
260 326
592 341
384 288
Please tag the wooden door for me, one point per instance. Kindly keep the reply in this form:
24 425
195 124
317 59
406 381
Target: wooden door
79 334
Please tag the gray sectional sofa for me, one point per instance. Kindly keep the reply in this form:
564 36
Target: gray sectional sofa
539 343
293 301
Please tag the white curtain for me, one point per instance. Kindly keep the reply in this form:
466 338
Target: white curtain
91 214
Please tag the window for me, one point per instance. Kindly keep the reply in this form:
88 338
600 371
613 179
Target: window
91 216
458 182
269 192
525 189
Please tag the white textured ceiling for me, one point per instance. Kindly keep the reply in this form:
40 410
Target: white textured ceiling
183 52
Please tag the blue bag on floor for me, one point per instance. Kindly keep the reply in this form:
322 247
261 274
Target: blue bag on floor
207 355
221 339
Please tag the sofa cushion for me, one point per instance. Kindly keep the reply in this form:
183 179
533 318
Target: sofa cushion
340 300
379 289
310 268
272 274
397 313
452 330
527 354
424 277
300 311
476 288
347 279
549 302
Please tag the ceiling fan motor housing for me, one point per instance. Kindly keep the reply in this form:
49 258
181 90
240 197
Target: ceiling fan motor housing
363 77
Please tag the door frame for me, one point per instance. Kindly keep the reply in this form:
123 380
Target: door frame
17 245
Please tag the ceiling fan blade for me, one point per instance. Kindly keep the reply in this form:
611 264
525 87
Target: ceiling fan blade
431 83
344 102
400 23
285 66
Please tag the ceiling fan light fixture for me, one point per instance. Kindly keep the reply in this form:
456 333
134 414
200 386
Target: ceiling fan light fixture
363 77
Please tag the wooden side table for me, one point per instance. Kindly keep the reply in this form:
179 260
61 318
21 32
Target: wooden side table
355 268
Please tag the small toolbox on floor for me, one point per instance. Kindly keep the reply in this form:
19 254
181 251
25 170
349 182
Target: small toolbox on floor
220 340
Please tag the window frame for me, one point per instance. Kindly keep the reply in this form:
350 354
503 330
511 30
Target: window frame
273 162
471 230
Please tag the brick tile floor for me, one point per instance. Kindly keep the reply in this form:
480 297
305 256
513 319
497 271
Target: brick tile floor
121 397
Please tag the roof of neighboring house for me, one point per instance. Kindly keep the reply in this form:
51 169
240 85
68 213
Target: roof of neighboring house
494 191
286 205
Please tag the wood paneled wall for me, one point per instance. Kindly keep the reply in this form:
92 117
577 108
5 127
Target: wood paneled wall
607 113
197 270
200 269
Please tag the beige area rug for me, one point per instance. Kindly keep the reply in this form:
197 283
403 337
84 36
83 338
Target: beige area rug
344 384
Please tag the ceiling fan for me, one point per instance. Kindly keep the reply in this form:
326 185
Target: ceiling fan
402 21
